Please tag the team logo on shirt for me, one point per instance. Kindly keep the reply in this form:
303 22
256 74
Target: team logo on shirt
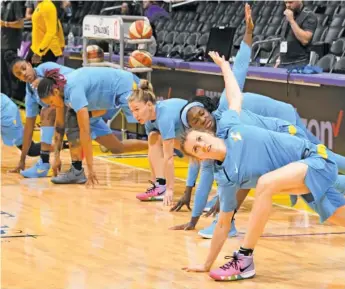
236 136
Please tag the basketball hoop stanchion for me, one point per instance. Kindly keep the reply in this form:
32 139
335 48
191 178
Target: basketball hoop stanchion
113 29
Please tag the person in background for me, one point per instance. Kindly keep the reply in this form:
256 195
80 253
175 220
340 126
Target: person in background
12 22
153 11
297 33
46 43
12 127
30 7
126 9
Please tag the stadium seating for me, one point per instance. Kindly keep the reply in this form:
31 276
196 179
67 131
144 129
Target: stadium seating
189 27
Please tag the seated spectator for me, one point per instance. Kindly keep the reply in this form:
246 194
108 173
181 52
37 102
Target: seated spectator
297 33
153 11
126 9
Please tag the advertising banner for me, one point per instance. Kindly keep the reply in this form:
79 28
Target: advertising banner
321 107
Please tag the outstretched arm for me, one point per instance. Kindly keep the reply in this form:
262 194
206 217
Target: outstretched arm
242 60
228 203
233 92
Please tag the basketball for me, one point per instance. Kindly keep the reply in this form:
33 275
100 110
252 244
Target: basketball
94 54
140 29
140 58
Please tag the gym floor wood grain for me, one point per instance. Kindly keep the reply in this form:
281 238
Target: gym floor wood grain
67 236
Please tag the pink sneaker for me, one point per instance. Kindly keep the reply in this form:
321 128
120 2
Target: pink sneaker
240 267
155 193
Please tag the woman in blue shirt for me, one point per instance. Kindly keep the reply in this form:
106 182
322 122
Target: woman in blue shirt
12 127
164 125
258 110
86 90
24 71
247 156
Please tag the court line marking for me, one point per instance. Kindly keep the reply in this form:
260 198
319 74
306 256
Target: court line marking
184 180
303 235
20 236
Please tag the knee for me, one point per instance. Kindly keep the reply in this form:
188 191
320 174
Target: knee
265 186
73 136
154 138
48 116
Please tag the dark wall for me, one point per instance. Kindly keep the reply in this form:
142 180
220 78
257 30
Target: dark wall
322 107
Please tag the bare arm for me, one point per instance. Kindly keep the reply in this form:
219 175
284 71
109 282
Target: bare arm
303 36
86 143
232 90
248 36
219 237
19 24
59 130
28 13
27 139
97 113
85 136
168 150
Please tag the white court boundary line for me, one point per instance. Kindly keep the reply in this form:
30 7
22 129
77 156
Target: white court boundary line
183 180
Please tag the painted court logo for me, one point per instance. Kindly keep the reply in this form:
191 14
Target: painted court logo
8 233
326 131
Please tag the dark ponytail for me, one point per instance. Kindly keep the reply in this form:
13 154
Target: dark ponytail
14 60
52 79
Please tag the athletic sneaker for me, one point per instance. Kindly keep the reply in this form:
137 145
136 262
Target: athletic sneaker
155 193
39 170
72 176
240 267
211 203
207 233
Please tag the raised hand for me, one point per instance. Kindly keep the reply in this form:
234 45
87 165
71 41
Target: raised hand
220 61
248 17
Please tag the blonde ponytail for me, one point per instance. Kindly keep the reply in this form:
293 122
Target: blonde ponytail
144 93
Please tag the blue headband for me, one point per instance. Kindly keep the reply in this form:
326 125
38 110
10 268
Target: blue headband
185 111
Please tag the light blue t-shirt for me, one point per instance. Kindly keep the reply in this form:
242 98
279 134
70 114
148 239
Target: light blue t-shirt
8 110
261 105
98 88
251 153
168 121
32 100
271 123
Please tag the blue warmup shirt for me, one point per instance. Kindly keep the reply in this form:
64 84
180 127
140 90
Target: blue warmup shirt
32 100
98 88
168 121
251 153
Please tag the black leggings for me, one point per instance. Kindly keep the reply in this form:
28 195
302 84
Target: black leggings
34 150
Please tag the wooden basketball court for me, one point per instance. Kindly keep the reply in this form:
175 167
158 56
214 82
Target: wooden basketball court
66 236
